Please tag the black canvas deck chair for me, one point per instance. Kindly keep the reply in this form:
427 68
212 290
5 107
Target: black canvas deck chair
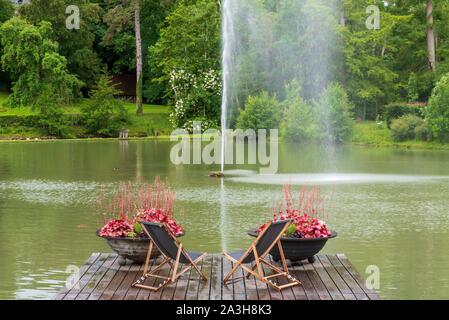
257 253
173 253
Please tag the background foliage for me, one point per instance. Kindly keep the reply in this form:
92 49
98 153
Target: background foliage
379 75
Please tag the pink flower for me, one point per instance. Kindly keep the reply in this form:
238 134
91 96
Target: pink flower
116 229
159 216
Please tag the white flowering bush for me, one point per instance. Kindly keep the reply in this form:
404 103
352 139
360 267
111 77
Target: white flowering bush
195 97
200 124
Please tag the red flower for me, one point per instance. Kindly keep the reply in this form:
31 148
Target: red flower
116 229
306 226
303 210
159 216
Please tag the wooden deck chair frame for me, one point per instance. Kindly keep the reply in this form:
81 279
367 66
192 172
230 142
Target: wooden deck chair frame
174 263
259 260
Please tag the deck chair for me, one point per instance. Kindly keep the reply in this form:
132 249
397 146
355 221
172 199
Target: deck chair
257 253
173 253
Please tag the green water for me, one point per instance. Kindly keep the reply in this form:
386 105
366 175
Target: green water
390 208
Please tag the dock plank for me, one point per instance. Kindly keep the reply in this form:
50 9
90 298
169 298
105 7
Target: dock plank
330 277
182 285
109 291
216 278
372 295
144 294
338 280
83 269
250 287
194 284
107 278
86 278
228 289
204 286
350 281
327 281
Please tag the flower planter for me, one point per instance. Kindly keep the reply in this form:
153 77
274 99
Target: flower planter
296 249
134 249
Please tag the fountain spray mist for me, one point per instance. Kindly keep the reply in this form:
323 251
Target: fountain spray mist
268 44
227 35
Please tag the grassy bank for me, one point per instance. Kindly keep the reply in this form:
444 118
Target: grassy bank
155 121
18 123
370 134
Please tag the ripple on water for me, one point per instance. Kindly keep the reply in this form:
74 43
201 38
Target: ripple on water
51 192
336 178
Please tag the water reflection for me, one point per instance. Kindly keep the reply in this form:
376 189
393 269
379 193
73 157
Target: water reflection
335 178
389 207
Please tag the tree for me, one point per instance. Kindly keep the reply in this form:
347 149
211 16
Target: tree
6 12
430 36
370 77
104 114
335 114
261 111
139 66
31 57
77 45
438 110
412 88
119 16
299 122
189 40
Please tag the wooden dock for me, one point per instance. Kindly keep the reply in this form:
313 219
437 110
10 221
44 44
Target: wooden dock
331 277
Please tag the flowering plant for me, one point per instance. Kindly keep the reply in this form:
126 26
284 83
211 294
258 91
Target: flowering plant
116 229
195 96
132 205
304 212
158 216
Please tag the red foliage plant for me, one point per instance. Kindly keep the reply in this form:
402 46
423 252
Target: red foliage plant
131 205
304 210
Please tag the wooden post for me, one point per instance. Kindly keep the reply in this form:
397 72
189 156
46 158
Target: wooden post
123 135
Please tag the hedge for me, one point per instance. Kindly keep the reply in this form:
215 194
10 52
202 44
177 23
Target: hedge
397 110
32 121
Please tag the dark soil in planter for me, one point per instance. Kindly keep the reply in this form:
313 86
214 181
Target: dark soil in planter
297 249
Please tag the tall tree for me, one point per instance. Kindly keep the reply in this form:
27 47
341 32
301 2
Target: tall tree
139 63
32 58
190 39
76 45
371 80
121 14
6 12
431 36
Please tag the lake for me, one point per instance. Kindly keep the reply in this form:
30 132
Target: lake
389 206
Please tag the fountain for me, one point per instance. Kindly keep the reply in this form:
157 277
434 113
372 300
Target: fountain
266 45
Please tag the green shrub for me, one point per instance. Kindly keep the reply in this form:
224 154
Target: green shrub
51 115
16 121
104 115
438 111
422 132
52 120
396 110
299 122
262 111
335 114
412 88
403 129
